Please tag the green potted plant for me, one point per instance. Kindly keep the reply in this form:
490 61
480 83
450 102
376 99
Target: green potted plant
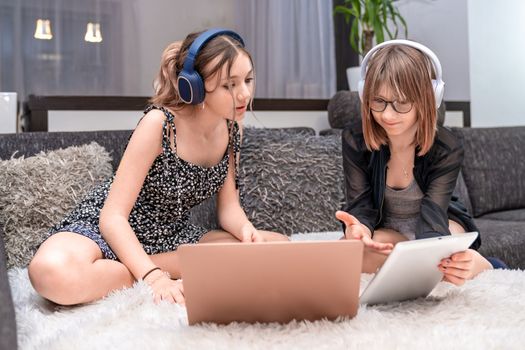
371 19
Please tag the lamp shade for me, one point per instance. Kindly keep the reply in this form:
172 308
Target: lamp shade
43 29
93 34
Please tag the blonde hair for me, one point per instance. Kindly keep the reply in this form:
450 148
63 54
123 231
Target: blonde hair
408 73
172 62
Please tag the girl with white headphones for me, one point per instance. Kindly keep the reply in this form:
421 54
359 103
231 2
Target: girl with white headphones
184 150
400 167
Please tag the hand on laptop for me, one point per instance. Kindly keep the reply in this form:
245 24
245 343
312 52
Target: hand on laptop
250 234
356 230
166 289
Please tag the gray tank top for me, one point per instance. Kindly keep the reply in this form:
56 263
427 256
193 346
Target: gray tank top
401 209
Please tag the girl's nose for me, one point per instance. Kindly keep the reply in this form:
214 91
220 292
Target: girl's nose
389 112
244 93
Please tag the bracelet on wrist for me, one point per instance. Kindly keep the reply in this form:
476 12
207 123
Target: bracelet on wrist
150 271
163 274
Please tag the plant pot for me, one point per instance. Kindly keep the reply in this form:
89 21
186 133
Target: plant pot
353 75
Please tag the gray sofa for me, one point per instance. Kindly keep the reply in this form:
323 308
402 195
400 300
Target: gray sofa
292 182
283 171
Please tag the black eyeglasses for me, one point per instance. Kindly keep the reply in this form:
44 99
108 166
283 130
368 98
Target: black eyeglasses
379 105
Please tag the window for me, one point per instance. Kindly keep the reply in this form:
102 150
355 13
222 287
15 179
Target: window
66 64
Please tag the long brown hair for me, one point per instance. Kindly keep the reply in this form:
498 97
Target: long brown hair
408 73
172 61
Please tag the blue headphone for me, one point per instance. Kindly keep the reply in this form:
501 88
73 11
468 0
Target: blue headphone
189 81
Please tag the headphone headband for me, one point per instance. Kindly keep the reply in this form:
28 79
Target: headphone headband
438 84
189 81
201 40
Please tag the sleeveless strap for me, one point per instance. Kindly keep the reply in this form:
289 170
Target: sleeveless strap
168 128
235 147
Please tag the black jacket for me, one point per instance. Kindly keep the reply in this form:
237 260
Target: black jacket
436 174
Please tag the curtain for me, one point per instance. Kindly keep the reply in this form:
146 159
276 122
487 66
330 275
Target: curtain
292 44
66 64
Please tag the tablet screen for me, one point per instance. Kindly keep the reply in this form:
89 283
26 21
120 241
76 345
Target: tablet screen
411 270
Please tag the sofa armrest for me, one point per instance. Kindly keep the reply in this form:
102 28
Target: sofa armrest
7 311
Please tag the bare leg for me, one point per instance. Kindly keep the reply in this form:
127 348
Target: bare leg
270 236
169 261
68 269
455 228
217 236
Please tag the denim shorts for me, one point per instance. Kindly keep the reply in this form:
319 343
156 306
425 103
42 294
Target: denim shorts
497 263
91 233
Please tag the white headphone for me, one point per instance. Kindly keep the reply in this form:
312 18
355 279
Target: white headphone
438 84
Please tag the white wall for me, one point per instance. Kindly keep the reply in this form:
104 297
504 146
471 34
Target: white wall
497 62
442 26
317 120
125 120
92 120
479 44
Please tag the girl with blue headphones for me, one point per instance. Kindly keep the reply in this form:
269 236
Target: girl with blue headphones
184 150
400 166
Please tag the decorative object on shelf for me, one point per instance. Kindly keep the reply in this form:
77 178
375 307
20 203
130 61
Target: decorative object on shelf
8 102
43 29
370 19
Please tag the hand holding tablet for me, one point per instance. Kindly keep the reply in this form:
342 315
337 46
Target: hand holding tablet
411 271
462 266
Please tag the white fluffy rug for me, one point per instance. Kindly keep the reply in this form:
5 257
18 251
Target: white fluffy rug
486 313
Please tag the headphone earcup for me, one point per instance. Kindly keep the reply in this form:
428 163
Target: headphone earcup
191 87
189 81
361 88
198 88
439 91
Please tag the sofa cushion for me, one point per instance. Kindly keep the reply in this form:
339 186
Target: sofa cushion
36 192
343 107
506 215
293 184
30 143
205 214
504 240
493 169
331 131
461 192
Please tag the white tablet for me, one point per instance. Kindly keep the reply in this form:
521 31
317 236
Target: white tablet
411 270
